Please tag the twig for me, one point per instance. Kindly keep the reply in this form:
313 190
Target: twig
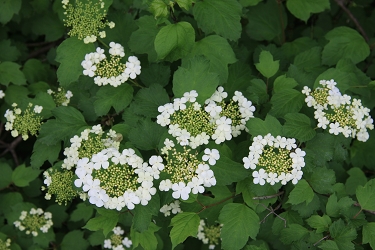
325 237
11 148
272 211
268 197
281 20
204 207
358 205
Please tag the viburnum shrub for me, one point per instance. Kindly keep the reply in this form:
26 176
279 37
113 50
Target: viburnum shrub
187 124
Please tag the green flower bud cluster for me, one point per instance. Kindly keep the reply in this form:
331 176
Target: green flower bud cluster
209 234
34 222
5 245
60 97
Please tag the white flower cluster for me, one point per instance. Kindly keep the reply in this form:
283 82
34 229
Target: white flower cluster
340 113
173 207
33 221
2 94
61 97
5 244
117 241
188 174
209 235
112 72
115 180
278 160
90 141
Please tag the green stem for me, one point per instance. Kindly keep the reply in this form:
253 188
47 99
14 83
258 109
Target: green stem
135 83
101 41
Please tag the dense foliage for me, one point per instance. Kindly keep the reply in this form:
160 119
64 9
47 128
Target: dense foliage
187 124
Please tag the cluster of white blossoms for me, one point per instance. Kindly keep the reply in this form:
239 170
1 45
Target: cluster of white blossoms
90 142
117 241
340 113
112 71
193 125
186 173
277 159
115 180
209 234
173 208
23 122
60 97
34 221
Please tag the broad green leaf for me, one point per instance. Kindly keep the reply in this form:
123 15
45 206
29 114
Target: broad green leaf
335 208
264 21
320 223
356 178
322 180
290 217
258 91
186 4
6 175
196 76
283 82
222 17
70 54
293 233
82 212
125 26
322 145
361 152
239 223
159 8
10 73
309 60
368 234
42 153
302 9
36 71
146 135
286 101
246 3
297 47
183 225
146 239
74 240
142 40
8 52
366 195
208 47
238 79
227 171
155 73
329 245
148 100
116 97
8 8
257 126
342 234
105 219
23 175
298 126
48 25
267 66
301 192
306 210
96 238
174 41
344 42
143 214
59 214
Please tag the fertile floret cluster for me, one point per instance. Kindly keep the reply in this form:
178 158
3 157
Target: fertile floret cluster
277 159
5 245
340 113
34 222
61 97
117 241
23 122
86 20
173 207
110 71
115 180
193 125
209 234
90 142
186 173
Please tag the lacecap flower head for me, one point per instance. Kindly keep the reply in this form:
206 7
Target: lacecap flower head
34 222
86 20
209 234
5 244
115 180
90 142
61 97
23 122
275 159
110 71
186 172
117 240
339 113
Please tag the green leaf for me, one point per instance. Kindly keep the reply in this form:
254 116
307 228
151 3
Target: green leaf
48 25
222 17
155 73
96 238
309 60
174 41
82 212
227 171
74 240
329 245
267 66
335 208
301 192
286 101
303 8
298 126
10 73
36 71
294 232
239 223
59 214
238 79
6 175
183 225
342 234
322 180
290 217
146 135
246 3
306 210
186 4
148 100
258 91
146 239
344 42
320 223
356 178
283 82
70 54
8 52
43 152
106 220
8 8
159 8
142 40
196 76
23 175
366 195
271 125
143 214
116 97
208 47
368 234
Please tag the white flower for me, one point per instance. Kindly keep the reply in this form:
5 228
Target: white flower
107 244
116 49
211 156
133 67
208 178
131 199
191 96
259 177
296 175
118 231
272 178
38 109
334 128
127 242
180 190
100 160
195 185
